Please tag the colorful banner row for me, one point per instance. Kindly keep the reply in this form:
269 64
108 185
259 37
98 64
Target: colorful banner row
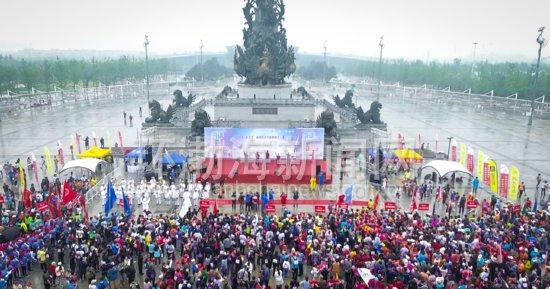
504 182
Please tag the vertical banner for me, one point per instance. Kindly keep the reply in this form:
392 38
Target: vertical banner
470 160
486 172
60 154
463 154
454 148
121 144
22 176
493 175
399 146
419 140
514 183
49 161
94 137
503 182
479 165
34 167
77 136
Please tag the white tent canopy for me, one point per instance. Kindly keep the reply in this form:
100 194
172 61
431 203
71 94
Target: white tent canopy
446 167
90 164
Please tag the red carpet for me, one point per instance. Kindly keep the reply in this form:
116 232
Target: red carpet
274 172
277 202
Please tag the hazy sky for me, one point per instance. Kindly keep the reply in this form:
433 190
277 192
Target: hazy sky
411 28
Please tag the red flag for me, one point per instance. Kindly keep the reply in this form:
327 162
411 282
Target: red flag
376 201
82 201
413 205
68 193
27 202
216 211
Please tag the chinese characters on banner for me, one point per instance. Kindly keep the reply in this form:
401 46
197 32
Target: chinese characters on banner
470 160
514 183
463 153
493 176
503 182
486 175
453 151
479 166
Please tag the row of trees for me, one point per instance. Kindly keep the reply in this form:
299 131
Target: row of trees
504 78
20 75
316 70
209 70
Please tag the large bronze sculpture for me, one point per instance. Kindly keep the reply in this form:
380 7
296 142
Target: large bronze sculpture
182 101
371 116
158 115
265 58
202 120
326 120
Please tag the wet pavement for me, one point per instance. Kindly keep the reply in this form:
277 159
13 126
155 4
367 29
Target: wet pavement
505 138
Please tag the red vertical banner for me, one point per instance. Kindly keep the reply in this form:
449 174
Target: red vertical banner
503 185
504 181
453 153
470 163
486 174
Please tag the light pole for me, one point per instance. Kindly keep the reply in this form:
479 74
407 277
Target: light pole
540 41
146 43
202 68
474 60
380 67
325 61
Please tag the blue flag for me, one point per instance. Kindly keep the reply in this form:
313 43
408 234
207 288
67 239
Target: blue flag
126 202
349 194
110 199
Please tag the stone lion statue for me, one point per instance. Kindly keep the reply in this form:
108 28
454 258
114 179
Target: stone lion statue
371 116
158 115
181 101
202 120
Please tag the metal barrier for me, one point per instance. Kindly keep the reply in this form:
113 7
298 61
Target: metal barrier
482 101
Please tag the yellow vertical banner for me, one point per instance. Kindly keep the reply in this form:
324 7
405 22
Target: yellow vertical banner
514 183
479 166
49 161
22 176
493 175
463 154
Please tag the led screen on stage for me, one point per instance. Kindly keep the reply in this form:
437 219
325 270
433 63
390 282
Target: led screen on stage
295 143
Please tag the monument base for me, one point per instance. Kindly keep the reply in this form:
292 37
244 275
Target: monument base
281 91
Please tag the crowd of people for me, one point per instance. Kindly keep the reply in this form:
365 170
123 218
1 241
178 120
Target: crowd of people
251 250
246 247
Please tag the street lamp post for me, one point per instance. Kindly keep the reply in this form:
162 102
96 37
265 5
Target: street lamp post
202 68
380 67
146 43
540 41
474 59
325 62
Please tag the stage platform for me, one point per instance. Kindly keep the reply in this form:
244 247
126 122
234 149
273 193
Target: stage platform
274 171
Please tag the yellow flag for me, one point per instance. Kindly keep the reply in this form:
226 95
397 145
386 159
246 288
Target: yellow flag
22 176
493 174
514 183
463 154
480 160
49 161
